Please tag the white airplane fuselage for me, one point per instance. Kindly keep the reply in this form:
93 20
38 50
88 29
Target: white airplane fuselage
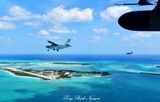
57 47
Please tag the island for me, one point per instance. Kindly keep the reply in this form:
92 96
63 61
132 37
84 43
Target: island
54 74
157 66
69 63
150 73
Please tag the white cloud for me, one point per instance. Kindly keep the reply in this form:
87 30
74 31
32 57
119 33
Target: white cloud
116 34
57 30
6 25
7 40
55 15
4 38
49 37
62 15
100 30
44 32
48 34
96 38
61 30
44 36
18 13
33 24
114 12
140 36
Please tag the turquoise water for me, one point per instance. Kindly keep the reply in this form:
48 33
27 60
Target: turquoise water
126 84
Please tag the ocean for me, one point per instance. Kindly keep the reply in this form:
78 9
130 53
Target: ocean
131 79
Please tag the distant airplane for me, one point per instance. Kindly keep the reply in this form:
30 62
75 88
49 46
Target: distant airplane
57 47
145 20
129 53
141 3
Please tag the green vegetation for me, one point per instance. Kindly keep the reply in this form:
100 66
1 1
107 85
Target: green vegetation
63 74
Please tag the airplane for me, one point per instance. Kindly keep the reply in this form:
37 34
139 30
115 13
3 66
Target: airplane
129 53
57 47
141 3
146 20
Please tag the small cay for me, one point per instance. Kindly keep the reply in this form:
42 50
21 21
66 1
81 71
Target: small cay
157 66
54 74
150 73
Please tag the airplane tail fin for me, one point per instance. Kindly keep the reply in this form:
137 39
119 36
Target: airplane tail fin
68 41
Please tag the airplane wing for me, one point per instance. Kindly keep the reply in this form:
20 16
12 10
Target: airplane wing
157 6
128 4
53 43
140 2
144 2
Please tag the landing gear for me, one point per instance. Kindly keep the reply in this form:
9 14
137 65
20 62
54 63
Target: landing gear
57 50
47 49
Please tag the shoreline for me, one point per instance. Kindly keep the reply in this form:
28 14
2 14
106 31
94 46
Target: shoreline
54 74
12 74
18 72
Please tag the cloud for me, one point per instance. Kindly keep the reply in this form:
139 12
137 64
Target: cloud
7 40
100 30
48 34
55 15
44 32
62 15
140 36
4 38
6 25
32 24
44 36
50 37
116 34
57 30
99 35
18 13
96 39
114 12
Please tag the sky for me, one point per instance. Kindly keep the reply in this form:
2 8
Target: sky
27 25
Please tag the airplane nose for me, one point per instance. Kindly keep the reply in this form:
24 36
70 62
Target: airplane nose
47 46
68 45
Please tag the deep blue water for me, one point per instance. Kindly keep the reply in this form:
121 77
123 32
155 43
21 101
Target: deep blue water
126 84
122 58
